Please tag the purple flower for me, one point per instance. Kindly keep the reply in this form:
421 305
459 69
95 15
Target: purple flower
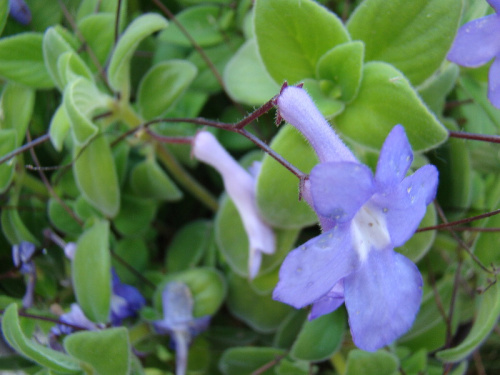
477 43
178 321
22 256
74 317
363 218
19 10
126 301
240 186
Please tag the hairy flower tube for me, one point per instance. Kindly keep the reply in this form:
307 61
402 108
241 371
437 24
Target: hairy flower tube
476 43
178 321
19 10
22 256
240 186
363 216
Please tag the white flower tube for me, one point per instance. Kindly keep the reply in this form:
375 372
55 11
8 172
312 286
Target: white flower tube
240 185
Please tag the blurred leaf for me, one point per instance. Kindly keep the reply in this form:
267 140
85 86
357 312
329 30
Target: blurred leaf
135 215
21 60
95 176
119 65
245 361
488 312
42 355
162 85
384 100
286 367
134 251
260 312
247 80
343 65
205 24
91 272
289 43
16 106
278 188
320 338
289 329
13 227
59 128
435 90
44 14
70 67
107 351
8 141
4 13
378 363
207 286
149 180
61 219
414 36
98 31
189 245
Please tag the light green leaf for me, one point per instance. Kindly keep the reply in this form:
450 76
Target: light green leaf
4 12
435 90
343 66
162 85
134 251
260 312
98 32
378 363
119 65
205 24
81 99
70 67
59 127
21 60
149 180
325 95
292 35
135 216
108 351
17 105
414 36
13 227
38 353
320 338
91 272
61 219
278 188
384 100
247 80
245 361
487 316
95 176
8 143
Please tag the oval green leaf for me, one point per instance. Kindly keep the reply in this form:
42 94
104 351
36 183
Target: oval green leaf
246 361
59 127
414 36
17 105
8 143
148 180
385 99
292 35
381 362
91 271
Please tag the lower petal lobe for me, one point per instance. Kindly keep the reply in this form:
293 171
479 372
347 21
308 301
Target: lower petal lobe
382 299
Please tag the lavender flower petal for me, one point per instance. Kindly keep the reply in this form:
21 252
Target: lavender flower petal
495 4
494 83
312 270
395 159
19 10
328 303
476 42
340 189
382 299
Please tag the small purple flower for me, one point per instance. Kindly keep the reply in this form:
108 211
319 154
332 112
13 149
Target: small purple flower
240 186
74 317
477 43
22 256
363 218
19 10
126 301
178 321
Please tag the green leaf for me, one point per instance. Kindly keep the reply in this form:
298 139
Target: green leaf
247 80
119 65
38 353
207 286
291 43
8 143
486 319
320 338
98 32
384 100
245 361
414 36
189 245
260 312
17 105
44 14
70 67
205 24
21 60
108 351
149 180
95 176
135 216
343 66
435 90
81 99
4 12
59 127
13 227
378 363
61 219
91 271
325 95
134 251
278 188
232 240
162 85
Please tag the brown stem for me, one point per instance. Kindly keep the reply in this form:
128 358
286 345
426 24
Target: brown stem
27 146
459 222
475 137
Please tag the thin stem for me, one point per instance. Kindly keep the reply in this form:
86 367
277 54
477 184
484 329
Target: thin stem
117 21
475 137
255 114
27 146
47 319
459 222
268 365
